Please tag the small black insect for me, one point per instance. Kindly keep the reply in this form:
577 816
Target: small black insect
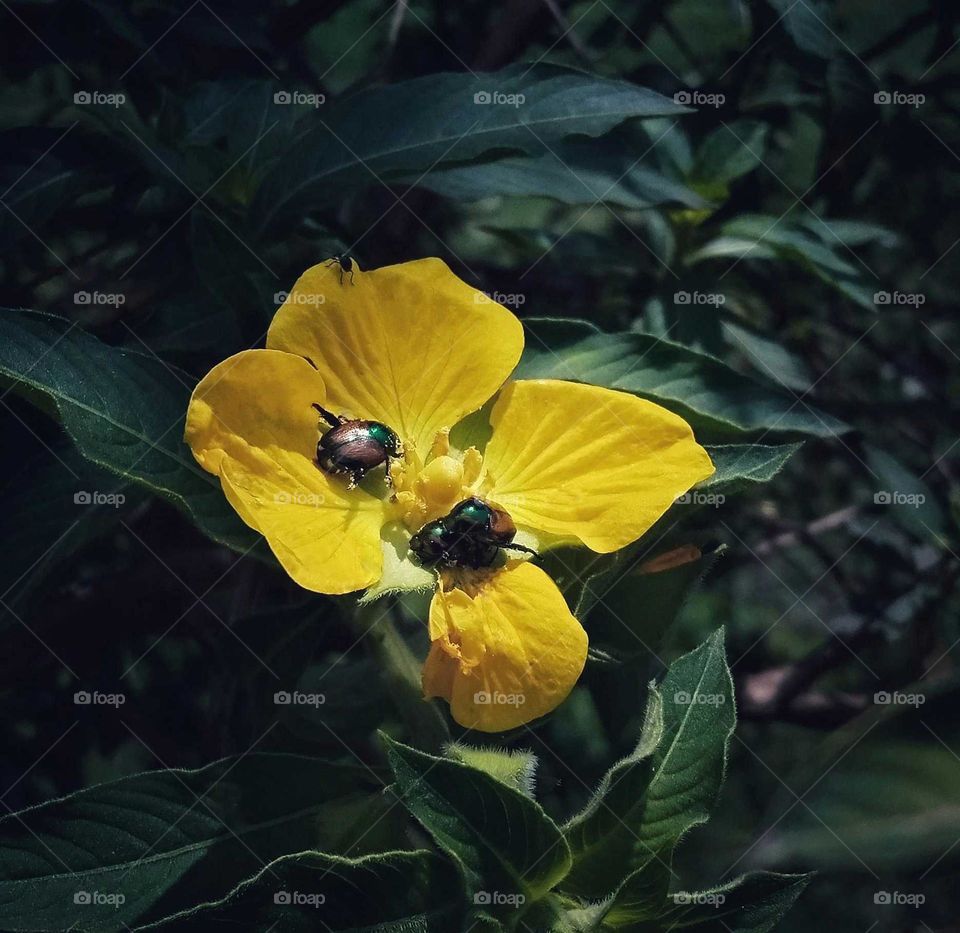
344 263
354 447
472 534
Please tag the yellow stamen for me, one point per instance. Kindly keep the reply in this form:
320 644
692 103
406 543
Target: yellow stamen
426 491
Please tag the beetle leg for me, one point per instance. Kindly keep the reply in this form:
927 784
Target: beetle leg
351 277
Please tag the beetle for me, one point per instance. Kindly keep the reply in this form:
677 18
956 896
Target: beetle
344 263
354 446
471 535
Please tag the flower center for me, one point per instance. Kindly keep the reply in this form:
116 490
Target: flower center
426 490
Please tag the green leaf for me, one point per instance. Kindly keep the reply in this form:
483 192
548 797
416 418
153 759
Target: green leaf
765 237
649 800
440 119
850 232
572 172
124 411
503 841
699 718
598 835
910 500
712 397
730 152
162 840
629 611
739 466
405 892
642 896
46 519
753 903
771 358
808 25
517 768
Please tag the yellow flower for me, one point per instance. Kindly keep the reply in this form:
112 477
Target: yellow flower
416 348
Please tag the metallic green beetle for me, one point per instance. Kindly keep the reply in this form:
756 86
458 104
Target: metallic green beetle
472 534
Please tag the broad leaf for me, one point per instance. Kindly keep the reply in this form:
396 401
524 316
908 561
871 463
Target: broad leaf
146 846
505 844
739 466
908 498
124 410
573 172
51 509
754 903
728 153
642 896
649 800
424 123
597 835
705 391
629 611
406 892
765 237
516 768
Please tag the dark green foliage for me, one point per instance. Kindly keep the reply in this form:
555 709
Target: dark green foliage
739 210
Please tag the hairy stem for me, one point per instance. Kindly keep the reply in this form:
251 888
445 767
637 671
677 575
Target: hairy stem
425 723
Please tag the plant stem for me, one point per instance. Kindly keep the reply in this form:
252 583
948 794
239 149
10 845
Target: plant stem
425 723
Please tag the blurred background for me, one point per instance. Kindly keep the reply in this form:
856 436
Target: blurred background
797 223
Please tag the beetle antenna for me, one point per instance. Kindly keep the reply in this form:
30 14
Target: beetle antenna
328 416
520 547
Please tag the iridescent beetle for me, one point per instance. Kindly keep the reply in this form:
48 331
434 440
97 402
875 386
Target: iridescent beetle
354 447
472 534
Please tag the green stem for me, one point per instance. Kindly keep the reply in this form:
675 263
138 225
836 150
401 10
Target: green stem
425 723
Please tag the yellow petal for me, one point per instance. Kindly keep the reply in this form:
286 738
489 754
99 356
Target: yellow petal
505 652
251 423
587 462
410 345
